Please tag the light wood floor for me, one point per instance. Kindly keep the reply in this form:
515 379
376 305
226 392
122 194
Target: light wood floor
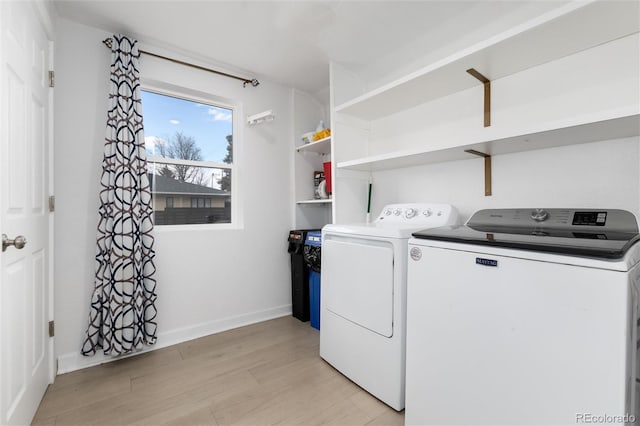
263 374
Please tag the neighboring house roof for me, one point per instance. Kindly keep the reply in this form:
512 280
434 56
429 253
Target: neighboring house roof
166 185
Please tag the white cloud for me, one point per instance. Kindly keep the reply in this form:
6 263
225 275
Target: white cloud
218 114
151 142
174 121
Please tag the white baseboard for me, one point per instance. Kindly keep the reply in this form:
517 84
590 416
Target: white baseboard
75 361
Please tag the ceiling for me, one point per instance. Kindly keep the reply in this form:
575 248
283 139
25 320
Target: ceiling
292 42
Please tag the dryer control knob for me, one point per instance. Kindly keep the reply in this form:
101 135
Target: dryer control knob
397 212
427 213
387 212
410 213
539 215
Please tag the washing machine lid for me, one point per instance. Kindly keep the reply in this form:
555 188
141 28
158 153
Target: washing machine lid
599 233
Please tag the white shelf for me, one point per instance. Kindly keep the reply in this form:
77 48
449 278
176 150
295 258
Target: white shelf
610 125
575 27
322 146
320 201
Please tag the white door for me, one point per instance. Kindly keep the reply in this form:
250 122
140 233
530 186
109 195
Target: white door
24 274
357 282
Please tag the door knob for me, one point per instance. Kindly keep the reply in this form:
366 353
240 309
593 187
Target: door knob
18 242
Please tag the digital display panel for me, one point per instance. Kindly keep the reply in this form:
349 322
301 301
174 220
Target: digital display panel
589 218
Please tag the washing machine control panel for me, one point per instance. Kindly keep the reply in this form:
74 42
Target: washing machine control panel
539 215
418 214
540 220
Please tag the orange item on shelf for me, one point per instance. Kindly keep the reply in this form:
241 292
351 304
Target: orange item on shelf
321 134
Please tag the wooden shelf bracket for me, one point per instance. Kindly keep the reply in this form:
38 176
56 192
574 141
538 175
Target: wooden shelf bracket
487 169
487 94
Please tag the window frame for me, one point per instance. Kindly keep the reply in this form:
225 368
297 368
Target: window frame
191 95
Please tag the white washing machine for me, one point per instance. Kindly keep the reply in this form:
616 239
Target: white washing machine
524 316
363 296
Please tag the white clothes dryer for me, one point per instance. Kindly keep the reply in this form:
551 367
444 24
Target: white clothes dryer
363 296
524 316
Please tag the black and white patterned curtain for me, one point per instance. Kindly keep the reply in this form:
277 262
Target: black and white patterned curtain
123 312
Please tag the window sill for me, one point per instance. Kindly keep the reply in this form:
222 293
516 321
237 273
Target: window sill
198 228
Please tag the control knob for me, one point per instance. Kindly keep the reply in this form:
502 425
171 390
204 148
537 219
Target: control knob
409 213
387 212
539 215
427 213
397 212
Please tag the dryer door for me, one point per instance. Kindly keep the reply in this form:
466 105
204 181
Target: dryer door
357 282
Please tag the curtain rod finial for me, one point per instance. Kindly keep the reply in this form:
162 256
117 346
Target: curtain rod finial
253 82
108 42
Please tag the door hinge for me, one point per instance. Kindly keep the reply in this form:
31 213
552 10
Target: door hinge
52 329
52 203
52 78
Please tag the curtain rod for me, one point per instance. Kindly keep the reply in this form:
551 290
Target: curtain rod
254 82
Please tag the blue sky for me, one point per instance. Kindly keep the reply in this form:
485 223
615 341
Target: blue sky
209 125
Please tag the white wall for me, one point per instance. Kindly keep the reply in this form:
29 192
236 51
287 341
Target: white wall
595 175
208 279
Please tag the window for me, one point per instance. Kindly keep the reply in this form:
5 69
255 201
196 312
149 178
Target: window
190 159
198 203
